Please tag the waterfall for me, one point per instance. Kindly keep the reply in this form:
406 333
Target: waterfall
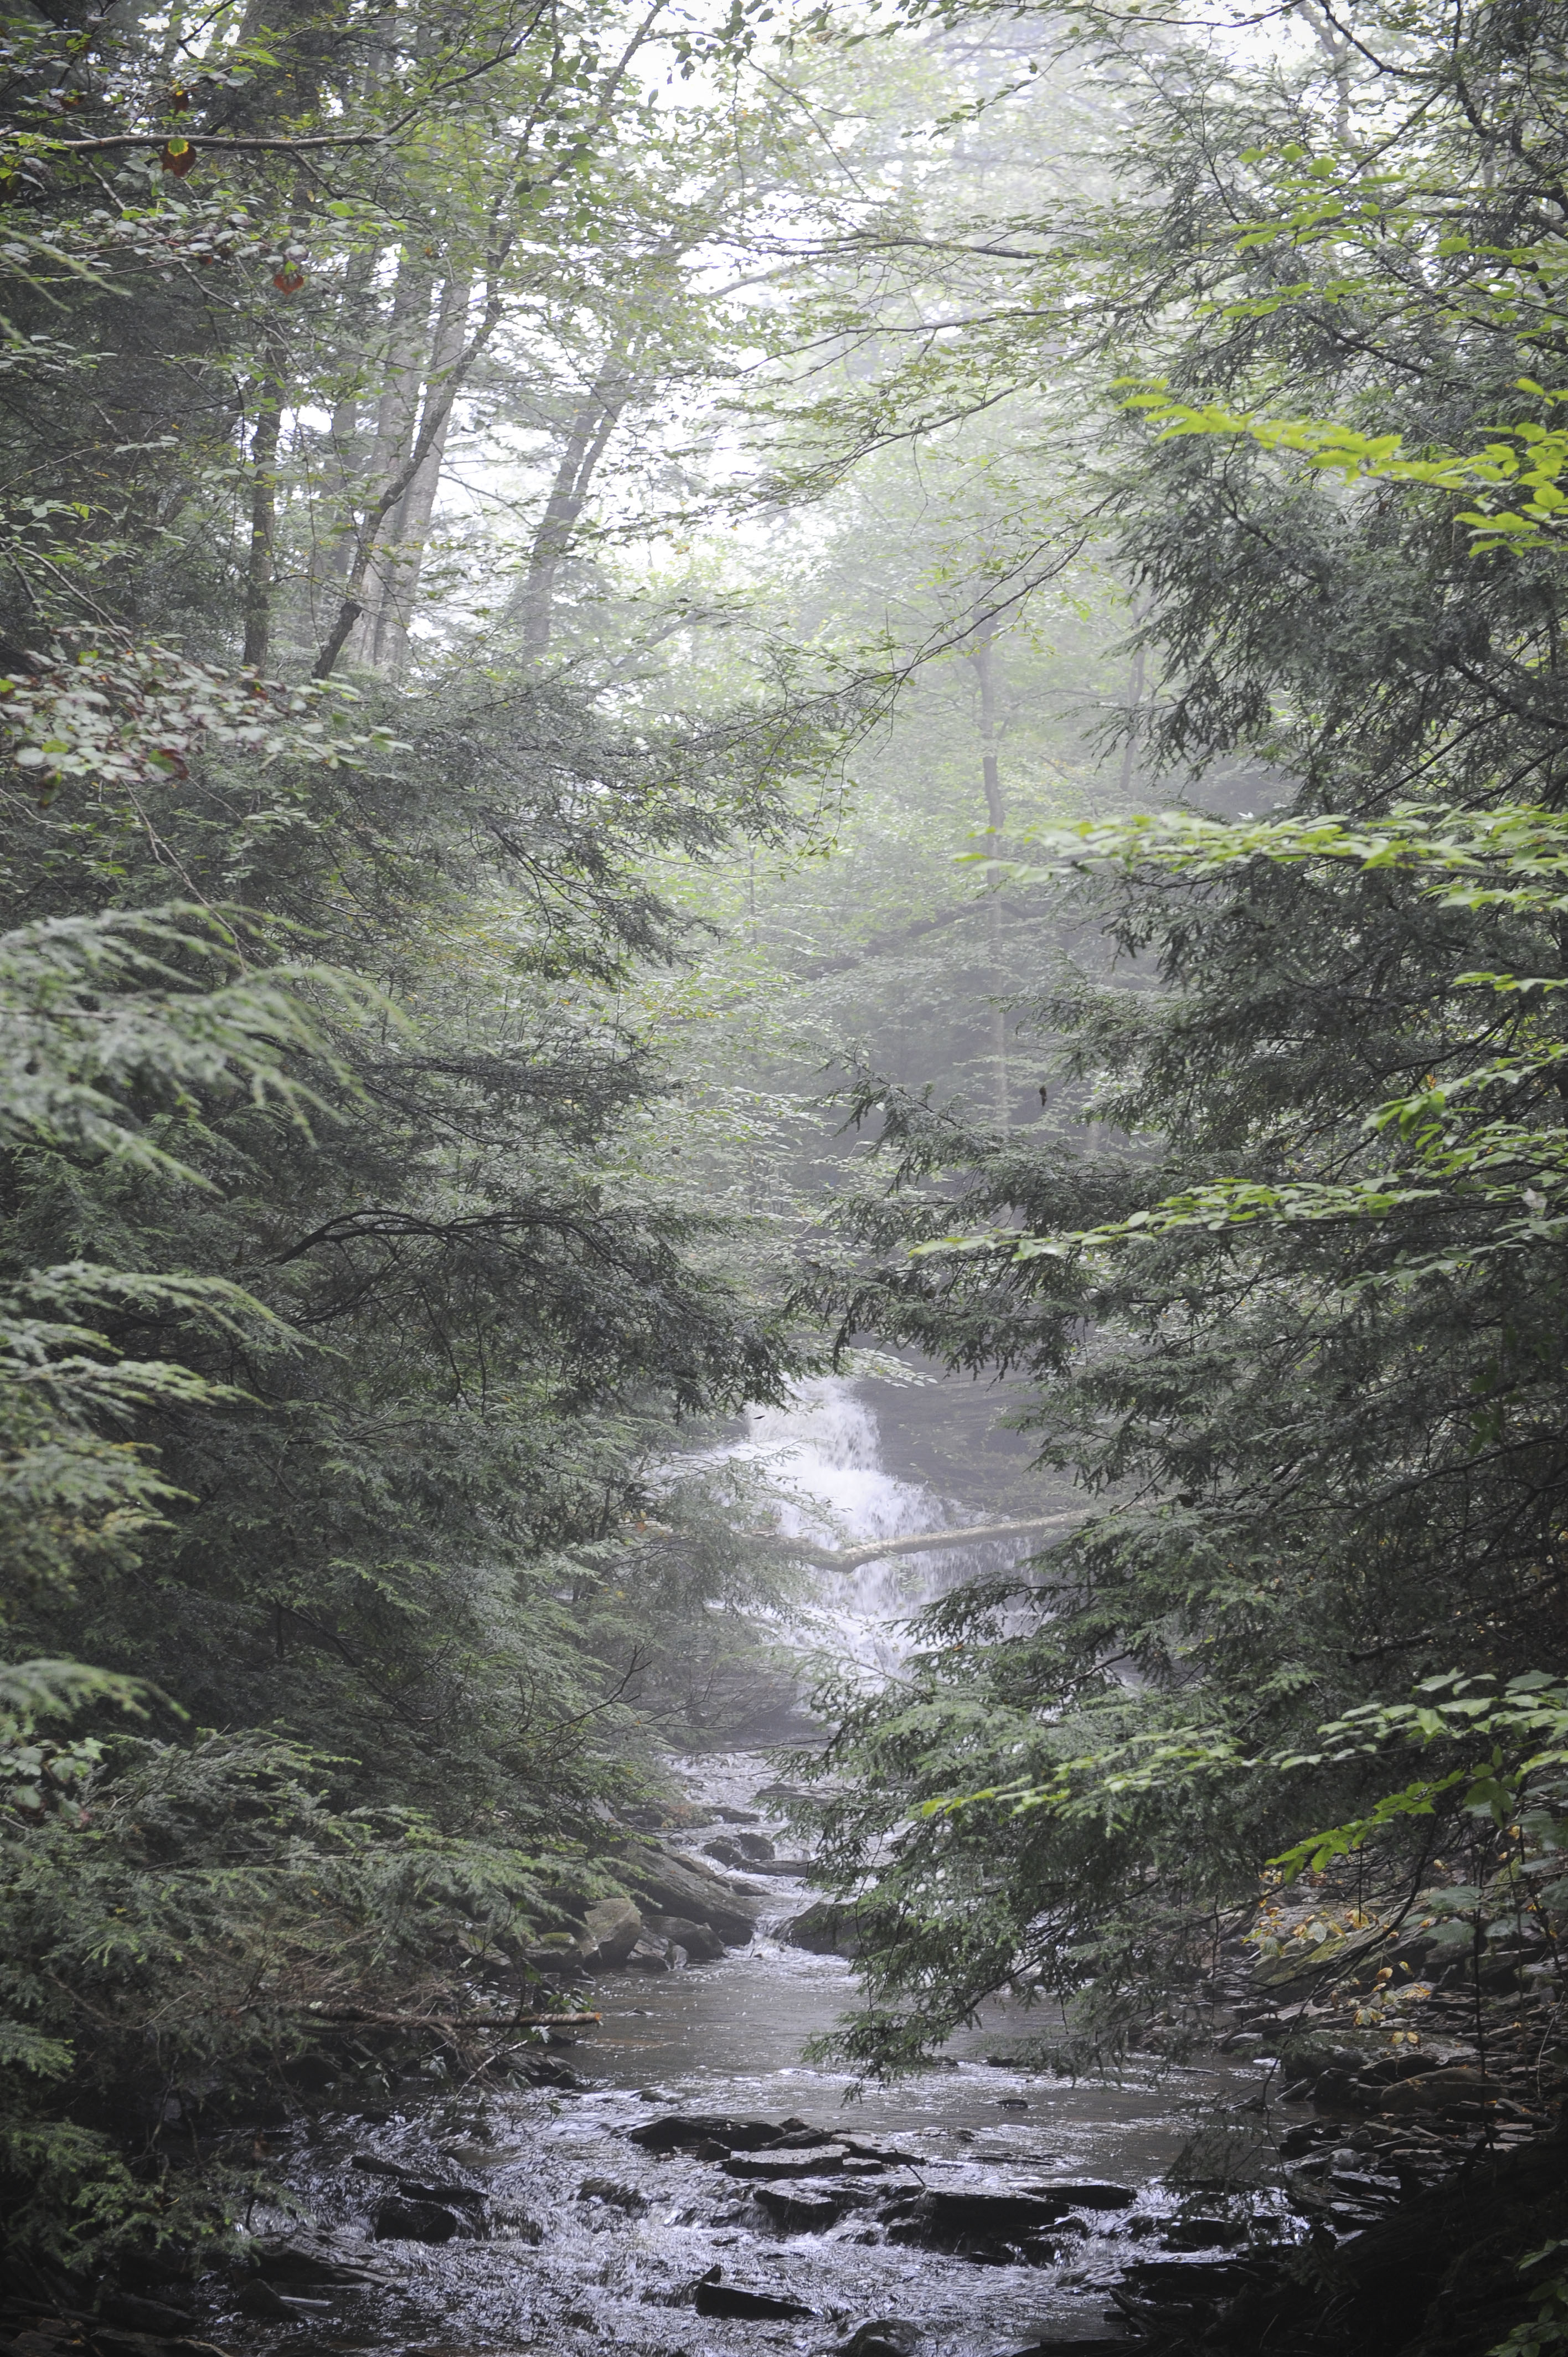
821 1457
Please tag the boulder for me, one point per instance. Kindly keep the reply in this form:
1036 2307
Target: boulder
610 2189
702 1945
683 2131
264 2300
713 2297
977 2224
755 2166
883 2336
1084 2193
1203 2233
654 1955
401 2221
824 1929
1438 2091
689 1888
301 2259
612 1927
450 2196
740 1850
802 2209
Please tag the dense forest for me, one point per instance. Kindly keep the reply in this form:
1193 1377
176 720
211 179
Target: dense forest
690 701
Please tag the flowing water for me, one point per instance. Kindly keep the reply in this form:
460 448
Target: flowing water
596 2241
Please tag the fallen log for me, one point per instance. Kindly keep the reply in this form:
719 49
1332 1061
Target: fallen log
850 1559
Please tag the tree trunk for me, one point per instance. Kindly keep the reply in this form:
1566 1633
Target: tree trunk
982 656
411 521
593 423
269 399
396 413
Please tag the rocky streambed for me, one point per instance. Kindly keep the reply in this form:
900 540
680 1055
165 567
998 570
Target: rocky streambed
673 2179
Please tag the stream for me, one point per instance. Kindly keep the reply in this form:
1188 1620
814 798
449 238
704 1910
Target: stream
591 2239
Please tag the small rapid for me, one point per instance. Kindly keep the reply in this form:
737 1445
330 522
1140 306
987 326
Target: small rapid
595 2238
821 1457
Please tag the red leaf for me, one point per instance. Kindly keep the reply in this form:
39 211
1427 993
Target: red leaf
289 281
178 156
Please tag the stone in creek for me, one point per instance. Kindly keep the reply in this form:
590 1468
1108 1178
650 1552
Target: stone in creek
977 2224
803 2209
1102 2344
1187 2280
610 2189
824 2161
729 1853
1203 2233
681 2131
703 1947
1437 2091
713 2297
611 1928
692 1889
397 2221
653 1955
291 2259
824 1929
1084 2193
740 1850
463 2197
883 2336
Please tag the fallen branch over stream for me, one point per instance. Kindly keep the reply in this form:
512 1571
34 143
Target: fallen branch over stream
850 1559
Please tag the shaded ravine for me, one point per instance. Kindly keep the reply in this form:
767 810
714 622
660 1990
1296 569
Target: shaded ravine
590 2237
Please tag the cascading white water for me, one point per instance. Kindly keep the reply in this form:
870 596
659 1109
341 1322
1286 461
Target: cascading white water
821 1458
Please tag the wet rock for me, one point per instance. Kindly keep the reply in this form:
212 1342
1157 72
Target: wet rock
1185 2282
701 1945
398 2220
462 2197
804 2209
265 2300
610 2189
1438 2091
823 1930
883 2336
1203 2233
713 2297
1363 2186
297 2259
1012 2102
1098 2344
692 1890
976 2225
1305 2137
653 1955
816 2161
740 1850
115 2340
611 1928
1085 2194
683 2131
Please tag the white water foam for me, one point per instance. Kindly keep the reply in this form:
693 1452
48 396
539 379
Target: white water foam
821 1457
